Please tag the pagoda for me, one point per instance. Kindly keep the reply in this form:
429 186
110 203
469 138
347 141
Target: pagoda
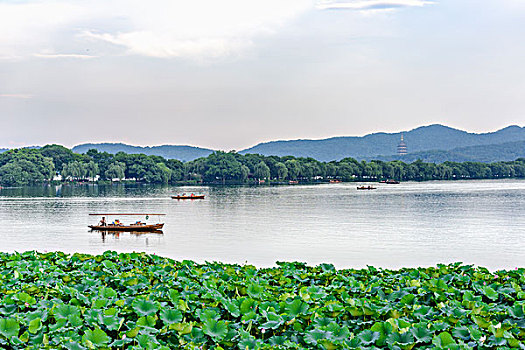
402 147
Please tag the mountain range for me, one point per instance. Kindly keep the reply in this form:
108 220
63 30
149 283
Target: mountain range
432 143
183 153
425 138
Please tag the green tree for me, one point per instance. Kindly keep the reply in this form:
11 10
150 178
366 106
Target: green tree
116 171
261 171
282 171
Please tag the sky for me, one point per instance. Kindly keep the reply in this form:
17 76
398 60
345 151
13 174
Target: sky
228 74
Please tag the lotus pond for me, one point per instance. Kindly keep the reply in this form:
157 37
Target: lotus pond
142 301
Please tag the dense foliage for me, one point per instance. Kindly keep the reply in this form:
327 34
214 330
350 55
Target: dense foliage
146 302
28 166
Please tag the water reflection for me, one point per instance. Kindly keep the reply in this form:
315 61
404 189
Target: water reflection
118 234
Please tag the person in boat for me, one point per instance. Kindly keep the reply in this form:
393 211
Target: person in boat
102 222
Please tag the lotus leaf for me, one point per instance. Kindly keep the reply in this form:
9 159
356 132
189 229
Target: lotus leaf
96 337
144 307
136 300
9 327
215 329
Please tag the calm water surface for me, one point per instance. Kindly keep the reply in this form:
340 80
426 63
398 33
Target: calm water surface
411 224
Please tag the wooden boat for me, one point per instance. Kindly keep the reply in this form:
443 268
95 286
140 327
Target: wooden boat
132 227
117 226
138 233
365 188
196 196
390 182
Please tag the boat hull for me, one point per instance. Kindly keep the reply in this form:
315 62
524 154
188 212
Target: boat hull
188 197
138 228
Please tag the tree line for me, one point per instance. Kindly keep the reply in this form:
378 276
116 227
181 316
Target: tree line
19 167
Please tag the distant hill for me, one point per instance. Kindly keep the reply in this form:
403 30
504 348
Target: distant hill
508 151
183 153
425 138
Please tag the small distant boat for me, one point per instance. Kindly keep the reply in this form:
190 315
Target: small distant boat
390 182
293 182
366 187
335 181
191 196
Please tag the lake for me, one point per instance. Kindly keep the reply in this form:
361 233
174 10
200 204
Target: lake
410 224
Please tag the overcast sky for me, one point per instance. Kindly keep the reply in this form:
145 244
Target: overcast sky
228 74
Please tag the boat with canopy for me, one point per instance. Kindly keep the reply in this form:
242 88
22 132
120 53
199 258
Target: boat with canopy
117 225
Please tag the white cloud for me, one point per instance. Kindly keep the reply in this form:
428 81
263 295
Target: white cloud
22 96
158 28
370 4
63 55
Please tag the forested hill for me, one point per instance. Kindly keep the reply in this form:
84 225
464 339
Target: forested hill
486 153
183 153
426 138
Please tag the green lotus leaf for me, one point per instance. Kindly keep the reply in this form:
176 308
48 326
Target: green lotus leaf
146 341
273 321
481 321
249 316
169 316
9 327
248 344
121 343
316 292
408 299
490 293
26 298
35 325
215 329
248 305
232 308
403 340
517 311
174 296
112 322
108 292
337 333
277 340
461 332
255 291
65 310
148 322
182 328
295 308
439 326
314 336
96 337
443 339
72 345
144 307
384 329
368 337
421 334
496 342
323 321
108 264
